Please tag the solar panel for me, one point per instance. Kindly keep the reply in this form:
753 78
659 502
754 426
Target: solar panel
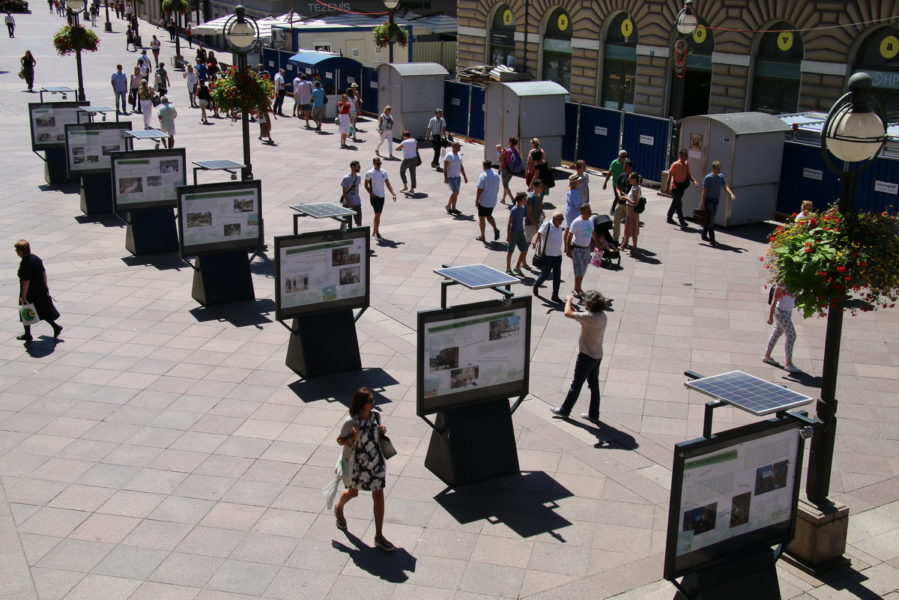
57 89
217 165
146 134
477 277
748 392
96 109
321 210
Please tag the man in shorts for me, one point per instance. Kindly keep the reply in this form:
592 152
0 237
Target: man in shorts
515 234
485 200
318 105
375 182
350 188
302 98
453 173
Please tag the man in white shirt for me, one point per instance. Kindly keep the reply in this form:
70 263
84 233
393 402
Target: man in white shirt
548 243
375 182
453 173
577 246
350 186
302 98
280 91
436 131
485 200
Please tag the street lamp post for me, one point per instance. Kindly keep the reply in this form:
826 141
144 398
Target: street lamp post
73 8
853 133
242 35
108 25
391 6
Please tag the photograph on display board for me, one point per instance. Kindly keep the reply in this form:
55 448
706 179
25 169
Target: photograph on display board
473 352
48 121
737 490
90 145
314 271
227 215
148 178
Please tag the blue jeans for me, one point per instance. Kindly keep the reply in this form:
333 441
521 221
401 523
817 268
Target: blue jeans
551 264
586 369
711 207
121 100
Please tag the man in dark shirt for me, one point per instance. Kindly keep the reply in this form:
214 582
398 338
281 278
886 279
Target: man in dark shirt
33 288
619 206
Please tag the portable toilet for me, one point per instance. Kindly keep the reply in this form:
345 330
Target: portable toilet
413 91
525 109
335 72
749 146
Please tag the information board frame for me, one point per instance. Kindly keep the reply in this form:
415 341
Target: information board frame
731 548
140 155
36 145
332 239
102 166
249 244
477 394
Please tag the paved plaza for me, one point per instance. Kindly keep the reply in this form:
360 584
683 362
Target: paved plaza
163 451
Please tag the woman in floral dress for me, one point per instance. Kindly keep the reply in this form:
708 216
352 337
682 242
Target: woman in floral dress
364 466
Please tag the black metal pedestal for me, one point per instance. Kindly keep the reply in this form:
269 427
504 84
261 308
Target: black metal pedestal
752 577
151 230
324 343
223 277
96 193
474 443
55 167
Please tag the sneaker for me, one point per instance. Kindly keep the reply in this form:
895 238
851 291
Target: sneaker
793 369
771 361
670 220
25 337
558 412
587 417
384 544
449 211
510 272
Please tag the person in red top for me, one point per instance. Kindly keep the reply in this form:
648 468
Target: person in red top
343 116
679 179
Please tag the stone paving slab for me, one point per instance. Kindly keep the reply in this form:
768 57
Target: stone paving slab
163 450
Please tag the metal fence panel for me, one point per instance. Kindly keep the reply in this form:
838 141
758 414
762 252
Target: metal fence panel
476 124
646 141
455 106
804 176
878 187
599 136
569 141
442 53
369 88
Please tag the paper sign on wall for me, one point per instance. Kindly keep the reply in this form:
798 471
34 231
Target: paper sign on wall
885 187
456 101
647 139
815 174
597 130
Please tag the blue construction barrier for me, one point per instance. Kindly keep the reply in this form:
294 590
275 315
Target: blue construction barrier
599 137
646 140
476 123
569 141
805 176
455 107
369 87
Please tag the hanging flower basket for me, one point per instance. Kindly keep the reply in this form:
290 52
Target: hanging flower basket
175 6
74 38
829 256
390 33
247 92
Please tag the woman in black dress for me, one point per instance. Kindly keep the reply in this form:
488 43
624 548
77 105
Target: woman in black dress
28 63
33 288
364 466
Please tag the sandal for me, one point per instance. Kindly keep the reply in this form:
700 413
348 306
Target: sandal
340 520
771 361
383 544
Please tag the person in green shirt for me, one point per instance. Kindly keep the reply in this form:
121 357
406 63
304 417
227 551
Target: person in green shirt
616 168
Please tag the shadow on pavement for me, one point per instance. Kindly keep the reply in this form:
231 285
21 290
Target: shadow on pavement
389 566
106 220
812 381
263 266
163 261
340 386
385 243
645 256
524 502
41 346
755 232
607 436
238 314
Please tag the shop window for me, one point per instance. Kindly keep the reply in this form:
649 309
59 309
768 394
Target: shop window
501 49
619 71
557 48
775 86
879 57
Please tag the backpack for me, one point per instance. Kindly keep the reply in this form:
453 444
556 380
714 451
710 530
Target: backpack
641 204
771 294
513 161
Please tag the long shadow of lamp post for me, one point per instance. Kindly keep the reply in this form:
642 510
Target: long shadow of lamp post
242 34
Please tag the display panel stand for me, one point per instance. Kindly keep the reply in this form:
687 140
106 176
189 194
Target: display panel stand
151 230
324 343
473 443
96 193
752 577
223 277
55 167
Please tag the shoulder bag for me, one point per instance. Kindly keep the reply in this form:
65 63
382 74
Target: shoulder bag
539 257
387 448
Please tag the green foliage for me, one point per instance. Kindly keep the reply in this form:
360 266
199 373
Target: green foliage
825 257
388 32
175 6
248 91
74 38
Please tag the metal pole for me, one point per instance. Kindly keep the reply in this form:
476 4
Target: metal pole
108 25
390 36
820 462
178 40
80 94
245 123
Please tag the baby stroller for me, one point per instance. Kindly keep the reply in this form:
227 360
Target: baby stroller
611 256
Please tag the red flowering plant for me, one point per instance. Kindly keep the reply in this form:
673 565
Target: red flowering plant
242 91
75 38
825 257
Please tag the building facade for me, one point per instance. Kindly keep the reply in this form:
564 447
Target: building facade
776 56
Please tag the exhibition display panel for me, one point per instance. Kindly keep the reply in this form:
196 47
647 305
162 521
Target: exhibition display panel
47 121
320 277
89 149
145 191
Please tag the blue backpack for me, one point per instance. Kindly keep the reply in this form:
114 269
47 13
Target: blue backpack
513 161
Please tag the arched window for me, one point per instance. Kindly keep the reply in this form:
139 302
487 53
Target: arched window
775 87
620 64
557 48
879 57
501 50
